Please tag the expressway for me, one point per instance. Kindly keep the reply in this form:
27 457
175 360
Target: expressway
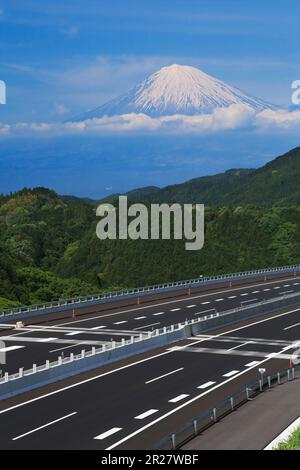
134 403
37 343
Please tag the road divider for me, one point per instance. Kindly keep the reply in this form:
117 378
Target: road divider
95 357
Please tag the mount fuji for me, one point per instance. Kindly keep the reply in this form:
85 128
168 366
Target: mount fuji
176 89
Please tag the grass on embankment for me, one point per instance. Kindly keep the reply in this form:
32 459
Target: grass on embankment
292 443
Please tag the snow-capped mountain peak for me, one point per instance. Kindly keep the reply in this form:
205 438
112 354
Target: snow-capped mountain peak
176 89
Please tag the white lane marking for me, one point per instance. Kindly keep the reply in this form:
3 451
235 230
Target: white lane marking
158 313
98 327
168 351
287 285
120 322
190 306
107 433
10 348
295 283
265 290
179 398
231 373
146 414
174 309
205 311
46 340
174 301
145 326
253 363
44 426
66 347
291 326
246 293
205 303
277 287
257 291
250 300
239 346
192 400
285 292
165 375
206 385
140 318
232 297
73 333
218 300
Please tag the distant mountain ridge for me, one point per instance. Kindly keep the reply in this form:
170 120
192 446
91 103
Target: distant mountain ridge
176 89
276 183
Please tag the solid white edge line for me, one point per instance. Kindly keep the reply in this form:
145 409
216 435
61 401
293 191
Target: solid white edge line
168 351
183 405
44 426
179 300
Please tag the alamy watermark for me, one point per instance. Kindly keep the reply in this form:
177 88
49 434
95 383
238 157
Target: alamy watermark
296 94
2 92
158 222
2 352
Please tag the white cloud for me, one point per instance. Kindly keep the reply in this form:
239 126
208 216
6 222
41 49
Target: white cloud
234 117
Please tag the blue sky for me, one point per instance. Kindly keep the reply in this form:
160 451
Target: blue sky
63 57
60 58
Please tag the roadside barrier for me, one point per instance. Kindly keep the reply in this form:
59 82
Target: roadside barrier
17 313
63 367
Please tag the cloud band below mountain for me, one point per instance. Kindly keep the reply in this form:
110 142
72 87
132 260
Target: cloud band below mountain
236 116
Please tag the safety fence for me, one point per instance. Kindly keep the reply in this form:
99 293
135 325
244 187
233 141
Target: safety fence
90 300
220 410
23 380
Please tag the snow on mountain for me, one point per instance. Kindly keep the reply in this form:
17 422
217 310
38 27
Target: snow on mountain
176 89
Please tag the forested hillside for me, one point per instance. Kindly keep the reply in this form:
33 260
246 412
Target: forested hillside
49 248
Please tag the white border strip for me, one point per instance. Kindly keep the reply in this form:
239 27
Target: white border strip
284 435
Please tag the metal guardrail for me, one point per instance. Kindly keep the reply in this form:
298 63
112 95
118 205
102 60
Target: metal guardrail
140 337
211 416
147 289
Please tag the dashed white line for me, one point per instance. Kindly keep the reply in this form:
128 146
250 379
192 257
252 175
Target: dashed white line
251 364
158 313
231 373
165 375
73 333
239 346
140 318
175 309
146 326
291 326
190 306
146 414
179 398
98 327
108 433
10 348
257 291
44 426
206 385
46 340
218 300
232 297
265 290
245 293
205 303
120 322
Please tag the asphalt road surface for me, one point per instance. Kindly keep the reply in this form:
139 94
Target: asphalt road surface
132 406
37 343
